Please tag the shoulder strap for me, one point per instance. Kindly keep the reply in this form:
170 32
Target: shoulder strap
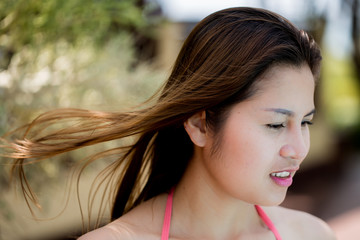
268 222
167 217
168 211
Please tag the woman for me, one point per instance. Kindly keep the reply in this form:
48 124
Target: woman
226 136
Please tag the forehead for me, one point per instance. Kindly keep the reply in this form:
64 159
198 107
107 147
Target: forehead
285 86
286 76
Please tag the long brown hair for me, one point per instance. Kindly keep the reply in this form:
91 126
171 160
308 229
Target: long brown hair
218 66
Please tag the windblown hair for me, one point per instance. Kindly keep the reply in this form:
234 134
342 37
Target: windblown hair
218 66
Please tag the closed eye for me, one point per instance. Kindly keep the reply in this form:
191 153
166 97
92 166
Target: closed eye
275 126
306 123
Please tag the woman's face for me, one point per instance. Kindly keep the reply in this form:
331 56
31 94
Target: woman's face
265 138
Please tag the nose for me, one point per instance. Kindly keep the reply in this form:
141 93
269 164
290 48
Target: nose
296 147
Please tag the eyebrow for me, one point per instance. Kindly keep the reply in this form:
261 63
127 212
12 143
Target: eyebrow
288 112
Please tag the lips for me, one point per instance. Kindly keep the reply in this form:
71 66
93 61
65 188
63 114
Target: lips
283 178
283 174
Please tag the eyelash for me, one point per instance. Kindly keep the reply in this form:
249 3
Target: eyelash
275 126
282 125
307 123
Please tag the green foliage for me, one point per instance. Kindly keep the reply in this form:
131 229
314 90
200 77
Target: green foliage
61 74
340 92
55 44
39 23
68 53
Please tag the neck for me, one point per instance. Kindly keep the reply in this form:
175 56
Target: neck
204 210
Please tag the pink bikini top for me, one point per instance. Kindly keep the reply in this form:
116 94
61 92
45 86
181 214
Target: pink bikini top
167 219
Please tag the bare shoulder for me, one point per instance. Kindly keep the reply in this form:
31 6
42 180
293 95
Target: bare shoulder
293 224
143 222
113 231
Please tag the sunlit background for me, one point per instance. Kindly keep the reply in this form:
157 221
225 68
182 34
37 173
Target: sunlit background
112 54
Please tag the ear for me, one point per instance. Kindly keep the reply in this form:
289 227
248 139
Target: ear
195 127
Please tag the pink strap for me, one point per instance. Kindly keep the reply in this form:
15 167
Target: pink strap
167 217
168 210
267 221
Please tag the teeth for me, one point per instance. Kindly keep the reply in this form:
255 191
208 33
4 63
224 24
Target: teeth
281 174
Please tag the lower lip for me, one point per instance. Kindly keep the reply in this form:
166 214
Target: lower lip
283 182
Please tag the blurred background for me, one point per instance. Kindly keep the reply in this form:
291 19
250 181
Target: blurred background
111 54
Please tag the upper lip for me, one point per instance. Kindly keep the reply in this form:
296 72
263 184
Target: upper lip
291 170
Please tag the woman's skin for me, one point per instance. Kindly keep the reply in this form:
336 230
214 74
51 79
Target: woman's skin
265 134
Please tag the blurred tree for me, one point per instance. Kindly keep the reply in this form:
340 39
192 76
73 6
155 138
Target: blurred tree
73 53
355 33
39 23
352 8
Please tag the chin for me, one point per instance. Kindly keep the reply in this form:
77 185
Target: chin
272 200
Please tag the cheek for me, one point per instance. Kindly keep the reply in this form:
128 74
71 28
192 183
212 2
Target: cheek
241 164
244 148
